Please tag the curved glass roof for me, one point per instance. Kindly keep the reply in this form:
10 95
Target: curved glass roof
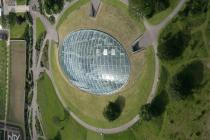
94 61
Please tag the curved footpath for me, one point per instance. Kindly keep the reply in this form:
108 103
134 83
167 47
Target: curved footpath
150 37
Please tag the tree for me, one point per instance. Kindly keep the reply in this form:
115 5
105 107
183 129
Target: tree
52 19
158 104
113 110
12 18
20 19
185 81
172 45
53 6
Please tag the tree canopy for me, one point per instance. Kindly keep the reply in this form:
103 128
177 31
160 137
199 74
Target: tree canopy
185 81
172 45
53 6
113 110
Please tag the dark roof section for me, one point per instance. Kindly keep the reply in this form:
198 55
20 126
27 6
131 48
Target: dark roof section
94 6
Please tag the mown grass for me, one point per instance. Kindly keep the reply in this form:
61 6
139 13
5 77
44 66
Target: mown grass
40 29
74 7
51 108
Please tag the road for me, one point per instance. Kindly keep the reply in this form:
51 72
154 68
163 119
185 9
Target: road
149 38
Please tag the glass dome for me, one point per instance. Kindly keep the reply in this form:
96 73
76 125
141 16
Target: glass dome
94 61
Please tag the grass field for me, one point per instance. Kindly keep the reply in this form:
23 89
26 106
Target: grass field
17 82
17 31
3 77
40 29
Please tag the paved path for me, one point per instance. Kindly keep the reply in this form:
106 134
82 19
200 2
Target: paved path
53 35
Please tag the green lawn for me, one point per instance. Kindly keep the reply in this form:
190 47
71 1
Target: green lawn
21 2
17 31
40 29
51 109
3 77
74 7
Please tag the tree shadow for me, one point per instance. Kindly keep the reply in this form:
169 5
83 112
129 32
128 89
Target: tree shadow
120 101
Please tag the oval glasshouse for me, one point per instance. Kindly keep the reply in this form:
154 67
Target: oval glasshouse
94 61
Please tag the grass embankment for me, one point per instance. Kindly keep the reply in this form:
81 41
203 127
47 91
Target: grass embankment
16 101
3 77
